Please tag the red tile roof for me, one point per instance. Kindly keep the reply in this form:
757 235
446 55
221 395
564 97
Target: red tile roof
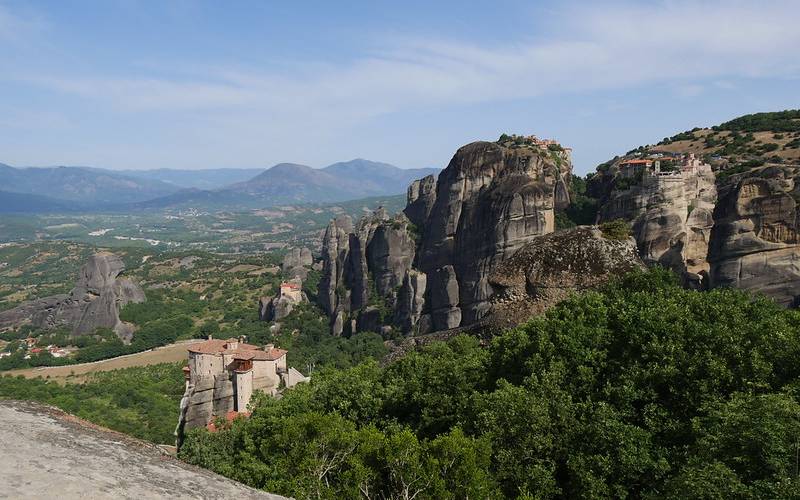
243 351
271 355
229 417
211 346
219 346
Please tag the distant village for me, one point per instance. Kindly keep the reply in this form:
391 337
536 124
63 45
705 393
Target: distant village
29 345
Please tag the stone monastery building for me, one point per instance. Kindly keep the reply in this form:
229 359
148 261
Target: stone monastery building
223 374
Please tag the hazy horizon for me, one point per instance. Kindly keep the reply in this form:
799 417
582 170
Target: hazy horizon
186 85
256 167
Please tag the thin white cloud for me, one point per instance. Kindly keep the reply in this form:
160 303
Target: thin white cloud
596 48
687 46
689 91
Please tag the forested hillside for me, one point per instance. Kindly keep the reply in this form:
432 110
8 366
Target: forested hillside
139 401
642 390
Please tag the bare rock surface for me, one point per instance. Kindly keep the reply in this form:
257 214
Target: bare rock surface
490 200
50 454
94 302
755 243
430 265
363 263
296 261
550 268
672 219
738 230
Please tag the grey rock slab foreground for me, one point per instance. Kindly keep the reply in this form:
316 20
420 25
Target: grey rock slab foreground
45 453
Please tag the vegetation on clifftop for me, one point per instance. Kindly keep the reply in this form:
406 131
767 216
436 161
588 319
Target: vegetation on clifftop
582 209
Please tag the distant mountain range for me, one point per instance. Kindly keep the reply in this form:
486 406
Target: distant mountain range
197 179
81 184
57 189
294 183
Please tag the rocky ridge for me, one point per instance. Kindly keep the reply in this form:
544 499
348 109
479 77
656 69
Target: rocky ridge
672 217
430 265
754 241
363 267
551 267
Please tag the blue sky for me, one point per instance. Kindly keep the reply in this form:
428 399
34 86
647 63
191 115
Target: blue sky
191 84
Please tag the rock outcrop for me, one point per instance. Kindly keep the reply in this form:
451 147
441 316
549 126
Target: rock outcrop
430 265
489 202
713 227
672 215
421 196
281 305
363 268
295 262
550 268
755 244
50 454
93 303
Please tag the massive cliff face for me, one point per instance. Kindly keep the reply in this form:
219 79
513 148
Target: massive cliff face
489 201
428 268
715 230
94 302
672 217
755 244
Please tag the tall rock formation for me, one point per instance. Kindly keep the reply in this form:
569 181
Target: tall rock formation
489 201
671 213
421 196
363 267
296 261
728 220
431 264
755 244
94 302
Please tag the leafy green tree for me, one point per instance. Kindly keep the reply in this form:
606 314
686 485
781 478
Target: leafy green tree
431 391
640 389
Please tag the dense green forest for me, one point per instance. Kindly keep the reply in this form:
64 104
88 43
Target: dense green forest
141 401
640 390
